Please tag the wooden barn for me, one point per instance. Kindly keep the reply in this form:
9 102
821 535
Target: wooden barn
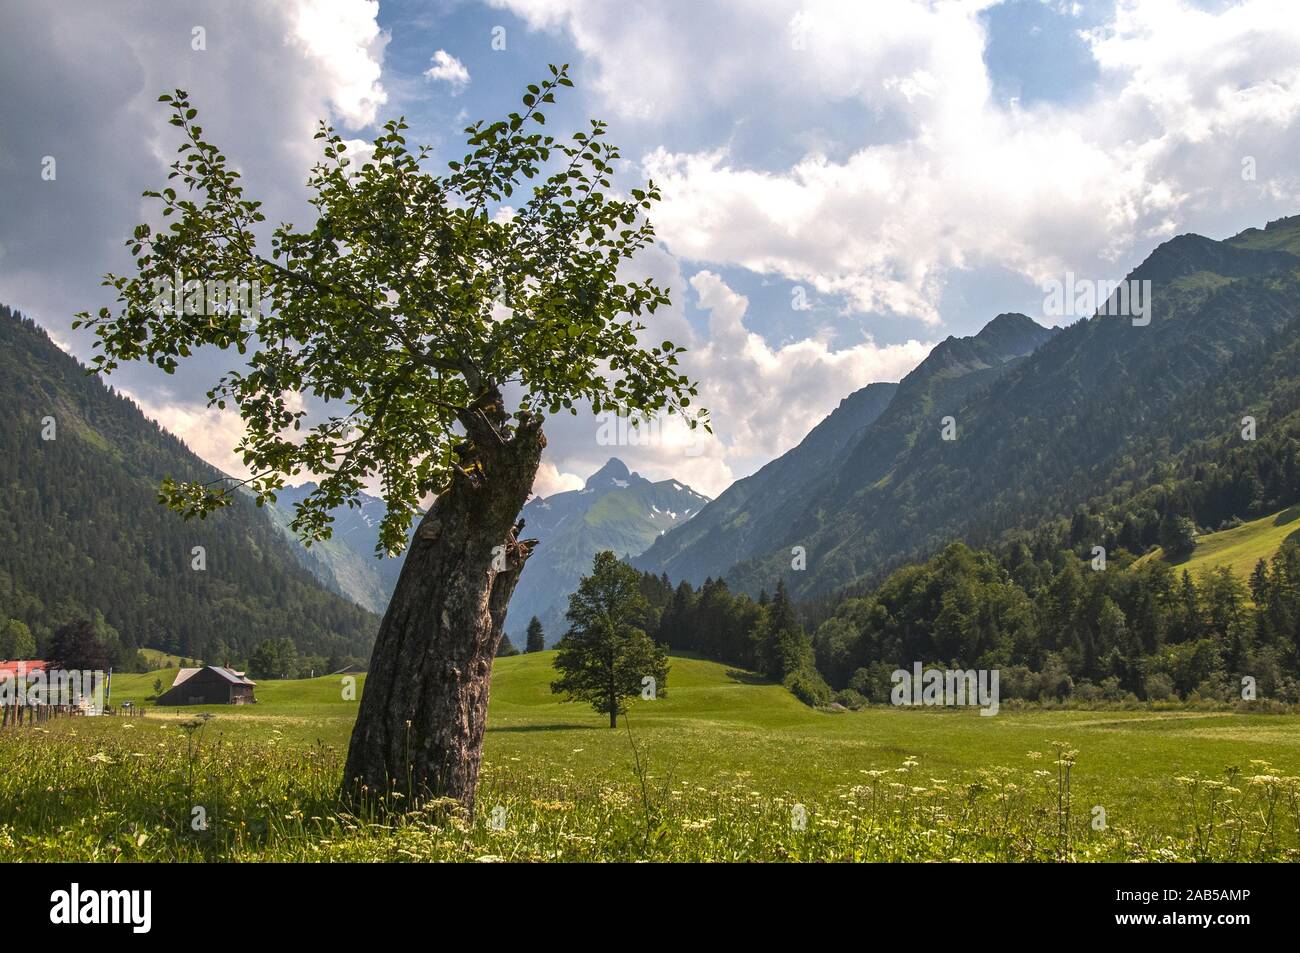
211 685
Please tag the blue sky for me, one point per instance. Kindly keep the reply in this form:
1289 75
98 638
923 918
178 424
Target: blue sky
845 184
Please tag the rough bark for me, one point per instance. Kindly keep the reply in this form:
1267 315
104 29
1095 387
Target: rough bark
419 731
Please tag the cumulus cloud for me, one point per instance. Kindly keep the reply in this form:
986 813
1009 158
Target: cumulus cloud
84 91
446 68
767 398
926 171
550 480
344 39
762 399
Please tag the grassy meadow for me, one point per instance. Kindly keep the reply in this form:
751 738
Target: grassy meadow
160 659
1239 548
724 767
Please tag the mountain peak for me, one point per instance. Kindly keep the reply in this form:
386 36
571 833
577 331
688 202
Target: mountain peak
1013 333
1010 335
617 510
1012 320
614 469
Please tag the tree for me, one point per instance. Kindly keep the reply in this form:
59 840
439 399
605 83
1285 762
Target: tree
75 646
783 648
404 312
605 658
1177 536
536 640
16 640
265 660
675 624
287 653
505 647
219 653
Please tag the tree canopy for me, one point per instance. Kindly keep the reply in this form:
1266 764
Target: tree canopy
606 657
404 309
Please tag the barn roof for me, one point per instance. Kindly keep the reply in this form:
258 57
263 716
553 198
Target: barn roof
229 674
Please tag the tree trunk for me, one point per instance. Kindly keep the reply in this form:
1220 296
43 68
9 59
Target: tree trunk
419 731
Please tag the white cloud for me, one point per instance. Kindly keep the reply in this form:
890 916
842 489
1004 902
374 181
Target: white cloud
766 399
447 68
210 432
762 399
1203 75
550 480
927 171
344 39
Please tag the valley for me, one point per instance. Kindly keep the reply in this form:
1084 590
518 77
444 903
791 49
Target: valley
726 757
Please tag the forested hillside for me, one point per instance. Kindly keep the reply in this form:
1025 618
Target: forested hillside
770 511
82 532
1065 611
1088 472
1102 403
754 510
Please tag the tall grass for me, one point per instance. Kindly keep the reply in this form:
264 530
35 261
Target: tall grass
113 790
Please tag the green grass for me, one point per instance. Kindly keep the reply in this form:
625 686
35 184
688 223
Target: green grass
725 759
160 659
1279 238
1239 548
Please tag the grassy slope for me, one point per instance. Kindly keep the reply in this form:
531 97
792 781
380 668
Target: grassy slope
1239 548
720 726
159 659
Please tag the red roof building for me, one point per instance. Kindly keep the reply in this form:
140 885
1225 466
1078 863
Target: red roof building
25 667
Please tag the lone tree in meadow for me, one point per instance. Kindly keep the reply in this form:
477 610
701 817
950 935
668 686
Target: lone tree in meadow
605 658
414 313
536 638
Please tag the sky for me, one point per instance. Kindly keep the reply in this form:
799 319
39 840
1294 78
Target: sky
844 184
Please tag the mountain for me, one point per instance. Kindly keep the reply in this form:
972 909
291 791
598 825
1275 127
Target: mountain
745 519
1100 402
82 532
617 510
854 446
956 369
346 562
